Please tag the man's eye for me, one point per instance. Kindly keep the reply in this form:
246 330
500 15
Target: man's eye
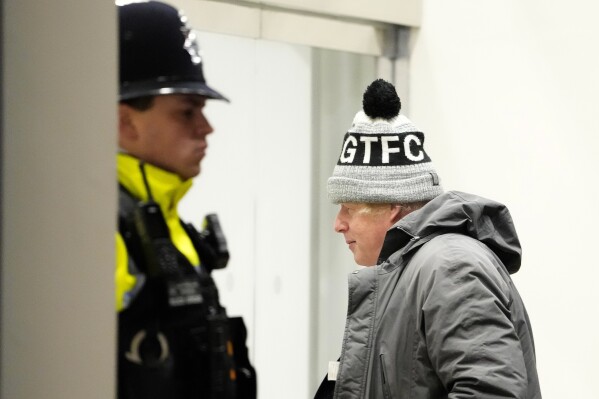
188 114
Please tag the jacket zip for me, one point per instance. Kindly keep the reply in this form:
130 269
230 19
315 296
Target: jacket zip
386 391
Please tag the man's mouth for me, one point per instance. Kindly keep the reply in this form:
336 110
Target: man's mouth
200 153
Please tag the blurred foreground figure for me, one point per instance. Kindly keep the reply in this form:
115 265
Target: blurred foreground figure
175 340
437 315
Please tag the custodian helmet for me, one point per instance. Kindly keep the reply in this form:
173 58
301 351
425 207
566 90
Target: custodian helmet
158 53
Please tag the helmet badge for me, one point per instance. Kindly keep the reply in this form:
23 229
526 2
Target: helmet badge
191 43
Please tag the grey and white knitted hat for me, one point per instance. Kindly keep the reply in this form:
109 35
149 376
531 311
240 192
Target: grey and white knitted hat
382 158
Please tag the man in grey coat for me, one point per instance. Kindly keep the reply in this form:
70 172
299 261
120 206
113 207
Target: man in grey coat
437 316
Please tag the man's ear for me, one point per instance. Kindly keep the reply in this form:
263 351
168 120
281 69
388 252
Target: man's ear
127 130
396 213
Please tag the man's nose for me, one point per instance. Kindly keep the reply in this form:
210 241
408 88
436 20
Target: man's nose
340 226
203 126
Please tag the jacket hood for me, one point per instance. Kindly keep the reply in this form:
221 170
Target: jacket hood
456 212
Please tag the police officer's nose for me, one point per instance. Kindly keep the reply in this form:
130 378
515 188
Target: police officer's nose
203 127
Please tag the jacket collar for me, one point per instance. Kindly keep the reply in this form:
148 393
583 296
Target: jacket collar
167 188
456 212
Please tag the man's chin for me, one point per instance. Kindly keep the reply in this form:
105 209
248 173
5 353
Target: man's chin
364 262
189 174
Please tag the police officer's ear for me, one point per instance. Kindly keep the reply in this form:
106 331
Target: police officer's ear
127 130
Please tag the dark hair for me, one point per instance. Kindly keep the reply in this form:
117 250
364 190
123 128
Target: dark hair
140 103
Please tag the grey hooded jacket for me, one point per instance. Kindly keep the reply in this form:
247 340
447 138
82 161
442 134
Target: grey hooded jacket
440 317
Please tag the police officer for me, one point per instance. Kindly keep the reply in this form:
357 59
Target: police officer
174 337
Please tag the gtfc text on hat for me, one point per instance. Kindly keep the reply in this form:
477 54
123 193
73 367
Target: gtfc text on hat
382 157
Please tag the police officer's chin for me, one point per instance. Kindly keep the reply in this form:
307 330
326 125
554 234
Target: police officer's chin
189 173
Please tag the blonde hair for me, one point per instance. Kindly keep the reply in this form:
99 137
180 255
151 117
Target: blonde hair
377 208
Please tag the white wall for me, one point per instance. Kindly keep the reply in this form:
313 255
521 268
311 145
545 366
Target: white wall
257 177
506 93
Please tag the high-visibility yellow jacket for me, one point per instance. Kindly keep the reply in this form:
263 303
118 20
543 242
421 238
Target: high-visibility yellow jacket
167 190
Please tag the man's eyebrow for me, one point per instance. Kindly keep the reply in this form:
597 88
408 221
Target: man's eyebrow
194 100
